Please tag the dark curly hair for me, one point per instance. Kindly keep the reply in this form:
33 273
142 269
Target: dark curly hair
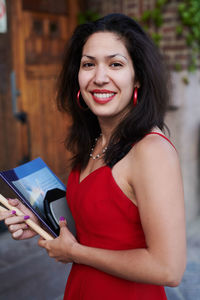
152 94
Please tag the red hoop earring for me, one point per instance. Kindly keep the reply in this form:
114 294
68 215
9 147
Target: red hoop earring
78 101
135 94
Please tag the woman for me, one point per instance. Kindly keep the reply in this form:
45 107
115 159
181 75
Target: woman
125 189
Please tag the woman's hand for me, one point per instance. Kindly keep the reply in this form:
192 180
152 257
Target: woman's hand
16 225
61 247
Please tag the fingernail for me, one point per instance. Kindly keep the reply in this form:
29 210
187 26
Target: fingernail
13 212
26 217
62 219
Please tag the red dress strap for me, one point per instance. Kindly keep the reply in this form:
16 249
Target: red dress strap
162 135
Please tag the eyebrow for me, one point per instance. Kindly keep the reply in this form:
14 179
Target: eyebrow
108 56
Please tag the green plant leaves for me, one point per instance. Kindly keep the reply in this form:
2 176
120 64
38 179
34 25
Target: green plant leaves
87 16
189 12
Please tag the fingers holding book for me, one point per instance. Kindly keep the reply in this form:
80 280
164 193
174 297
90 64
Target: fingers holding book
10 219
25 216
61 248
16 224
18 228
27 212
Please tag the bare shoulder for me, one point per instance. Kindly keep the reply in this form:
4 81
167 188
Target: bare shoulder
157 181
154 148
153 159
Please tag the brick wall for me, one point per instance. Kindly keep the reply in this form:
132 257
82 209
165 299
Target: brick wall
173 47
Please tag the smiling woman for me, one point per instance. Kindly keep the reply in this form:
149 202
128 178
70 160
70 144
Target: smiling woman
125 188
106 77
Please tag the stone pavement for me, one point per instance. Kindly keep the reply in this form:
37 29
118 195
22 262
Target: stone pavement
27 273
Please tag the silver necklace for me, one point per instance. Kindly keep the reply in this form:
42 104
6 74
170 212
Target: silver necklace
100 154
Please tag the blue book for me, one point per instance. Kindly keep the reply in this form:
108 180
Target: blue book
42 192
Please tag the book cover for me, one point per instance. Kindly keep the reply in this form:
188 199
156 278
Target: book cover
42 192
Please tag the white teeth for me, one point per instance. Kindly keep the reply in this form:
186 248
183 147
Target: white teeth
104 95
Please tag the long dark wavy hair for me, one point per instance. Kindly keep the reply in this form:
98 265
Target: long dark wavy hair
152 94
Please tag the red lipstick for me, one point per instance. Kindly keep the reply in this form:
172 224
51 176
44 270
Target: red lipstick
102 91
102 96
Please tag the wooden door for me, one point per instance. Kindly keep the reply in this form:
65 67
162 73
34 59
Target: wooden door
39 34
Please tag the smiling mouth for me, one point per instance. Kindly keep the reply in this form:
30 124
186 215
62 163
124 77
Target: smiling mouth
103 95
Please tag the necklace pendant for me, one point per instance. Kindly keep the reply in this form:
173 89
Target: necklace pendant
99 154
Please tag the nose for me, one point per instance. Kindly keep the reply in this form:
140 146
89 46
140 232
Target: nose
101 75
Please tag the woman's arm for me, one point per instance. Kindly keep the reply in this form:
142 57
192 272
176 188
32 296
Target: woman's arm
156 179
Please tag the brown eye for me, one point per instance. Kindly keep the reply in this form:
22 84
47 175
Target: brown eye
116 64
87 65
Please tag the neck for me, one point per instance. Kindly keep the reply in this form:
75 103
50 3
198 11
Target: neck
107 129
108 125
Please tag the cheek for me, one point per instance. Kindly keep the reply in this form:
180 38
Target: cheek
130 83
126 83
128 88
84 79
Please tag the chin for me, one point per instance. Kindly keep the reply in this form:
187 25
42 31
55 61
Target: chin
104 113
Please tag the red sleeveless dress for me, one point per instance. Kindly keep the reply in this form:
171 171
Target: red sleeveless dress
105 218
